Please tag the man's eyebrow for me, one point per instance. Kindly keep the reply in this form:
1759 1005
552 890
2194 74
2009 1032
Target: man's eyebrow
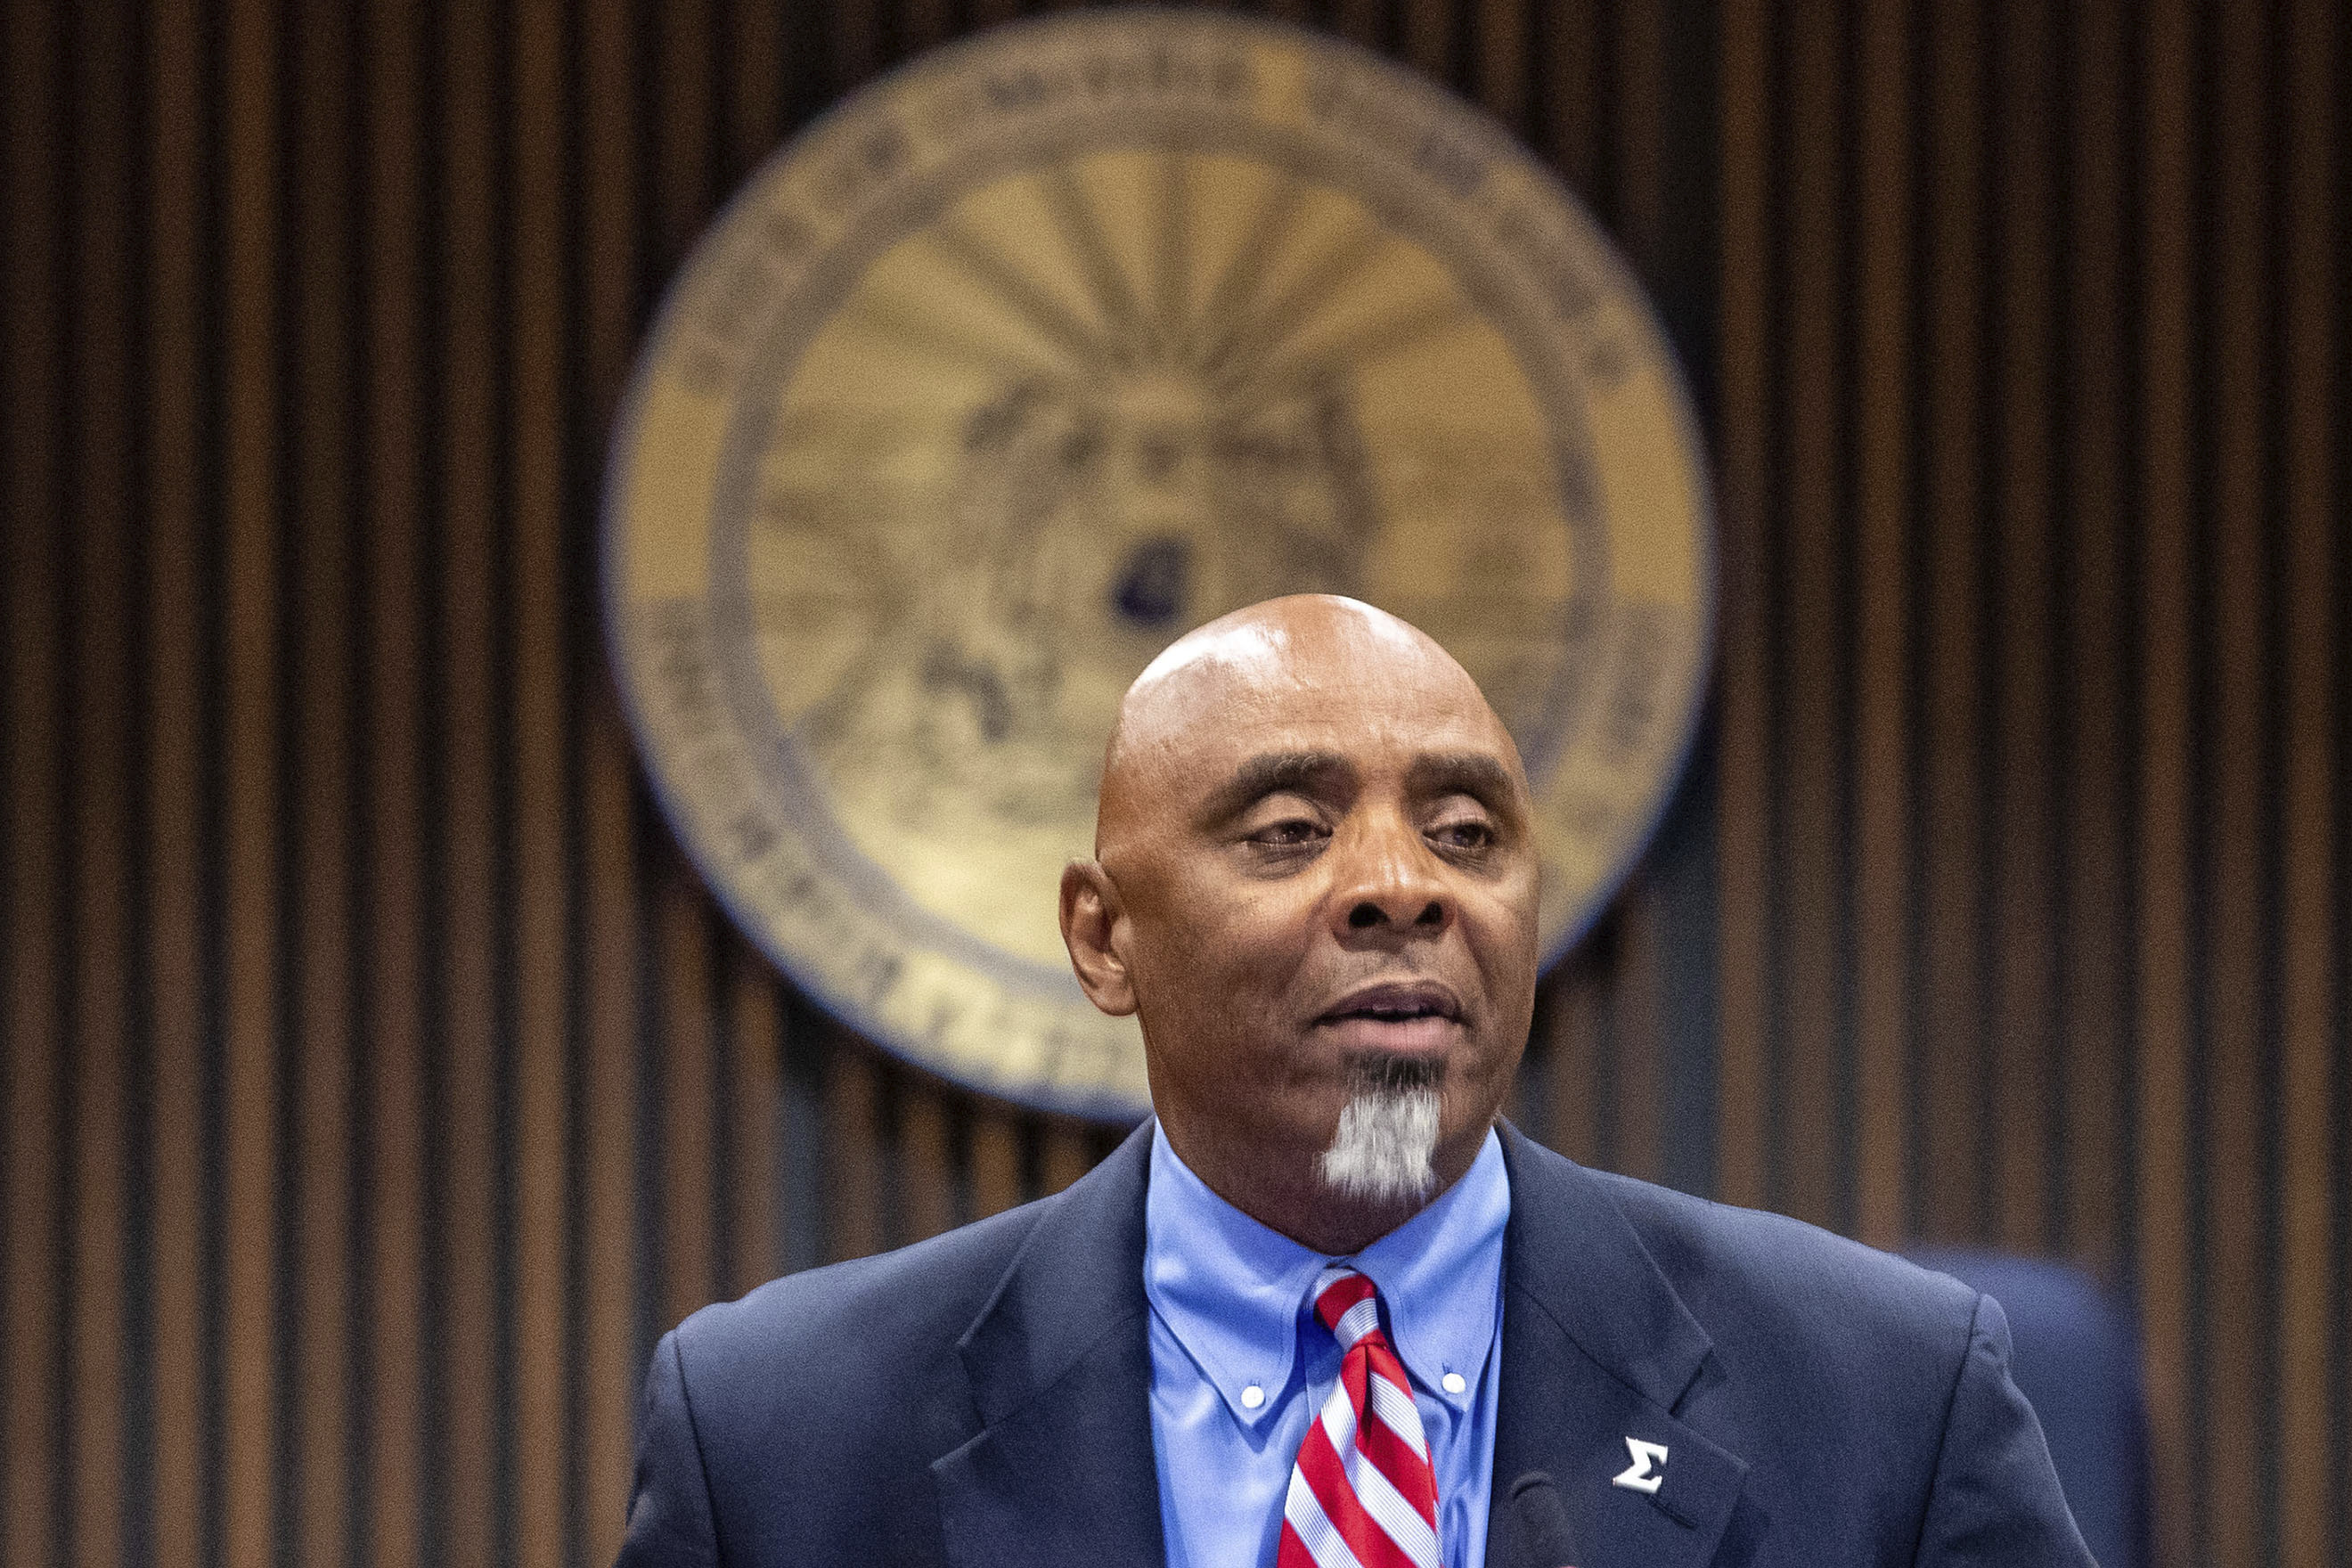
1270 772
1474 773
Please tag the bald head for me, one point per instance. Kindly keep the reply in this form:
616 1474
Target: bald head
1256 668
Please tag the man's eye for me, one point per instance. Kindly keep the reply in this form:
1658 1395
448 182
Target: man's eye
1290 833
1463 834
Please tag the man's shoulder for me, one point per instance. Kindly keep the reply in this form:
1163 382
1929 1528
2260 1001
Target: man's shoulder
1767 1289
1800 1307
861 1335
854 1320
1698 1241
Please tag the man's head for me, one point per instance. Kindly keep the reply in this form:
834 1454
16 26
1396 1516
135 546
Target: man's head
1315 882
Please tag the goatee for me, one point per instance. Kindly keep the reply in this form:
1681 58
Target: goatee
1388 1131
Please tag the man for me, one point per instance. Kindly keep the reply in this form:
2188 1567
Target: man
1326 1310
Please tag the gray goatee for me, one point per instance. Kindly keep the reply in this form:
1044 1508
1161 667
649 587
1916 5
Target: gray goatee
1388 1130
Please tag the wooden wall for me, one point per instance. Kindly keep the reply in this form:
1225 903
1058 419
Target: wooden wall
377 1079
2032 737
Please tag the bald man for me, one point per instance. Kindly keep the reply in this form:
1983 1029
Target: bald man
1325 1309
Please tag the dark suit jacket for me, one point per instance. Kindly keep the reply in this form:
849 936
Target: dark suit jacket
984 1397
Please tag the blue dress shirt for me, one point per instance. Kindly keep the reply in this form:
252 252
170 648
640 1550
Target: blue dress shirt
1240 1366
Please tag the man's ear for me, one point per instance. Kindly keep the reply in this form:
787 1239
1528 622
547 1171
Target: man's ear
1091 914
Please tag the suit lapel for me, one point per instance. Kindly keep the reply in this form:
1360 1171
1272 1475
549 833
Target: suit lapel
1597 1350
1059 1372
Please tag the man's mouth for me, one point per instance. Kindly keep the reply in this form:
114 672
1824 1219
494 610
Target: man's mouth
1410 1016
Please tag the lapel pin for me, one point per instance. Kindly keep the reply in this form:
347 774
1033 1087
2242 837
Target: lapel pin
1648 1470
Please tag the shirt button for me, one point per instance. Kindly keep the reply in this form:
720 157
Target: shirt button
1454 1382
1253 1396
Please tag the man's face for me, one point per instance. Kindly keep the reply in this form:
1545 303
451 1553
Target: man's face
1320 842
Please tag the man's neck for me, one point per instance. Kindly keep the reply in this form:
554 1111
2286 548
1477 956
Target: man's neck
1288 1194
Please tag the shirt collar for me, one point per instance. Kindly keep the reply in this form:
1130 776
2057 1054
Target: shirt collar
1233 1293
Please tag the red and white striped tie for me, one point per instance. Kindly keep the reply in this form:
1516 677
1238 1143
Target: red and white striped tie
1362 1494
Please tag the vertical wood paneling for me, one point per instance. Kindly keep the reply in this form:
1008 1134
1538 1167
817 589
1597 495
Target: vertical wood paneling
539 696
1575 1025
607 1182
985 13
681 126
469 810
322 1065
1808 710
2023 1042
1068 1154
689 1093
856 44
1643 959
33 1385
1883 563
852 1093
1503 61
104 705
2311 825
2092 781
1639 117
395 912
178 675
926 1180
755 1185
1743 733
252 1090
754 85
926 23
2237 1070
1429 36
1569 89
1951 1040
995 1161
378 1078
611 928
2163 894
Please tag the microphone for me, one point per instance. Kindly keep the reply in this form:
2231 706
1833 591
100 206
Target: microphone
1545 1540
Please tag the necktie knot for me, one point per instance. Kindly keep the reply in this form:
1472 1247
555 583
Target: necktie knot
1348 1303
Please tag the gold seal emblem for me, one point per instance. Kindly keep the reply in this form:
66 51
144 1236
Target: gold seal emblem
1042 350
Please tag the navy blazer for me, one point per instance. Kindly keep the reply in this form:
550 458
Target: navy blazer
983 1397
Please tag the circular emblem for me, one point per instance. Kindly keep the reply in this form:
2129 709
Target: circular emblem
1042 350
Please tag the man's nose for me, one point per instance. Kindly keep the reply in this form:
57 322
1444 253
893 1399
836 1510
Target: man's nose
1389 881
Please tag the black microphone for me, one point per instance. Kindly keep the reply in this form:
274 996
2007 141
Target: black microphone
1545 1540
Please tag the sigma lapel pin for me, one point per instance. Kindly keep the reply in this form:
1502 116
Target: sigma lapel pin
1648 1470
